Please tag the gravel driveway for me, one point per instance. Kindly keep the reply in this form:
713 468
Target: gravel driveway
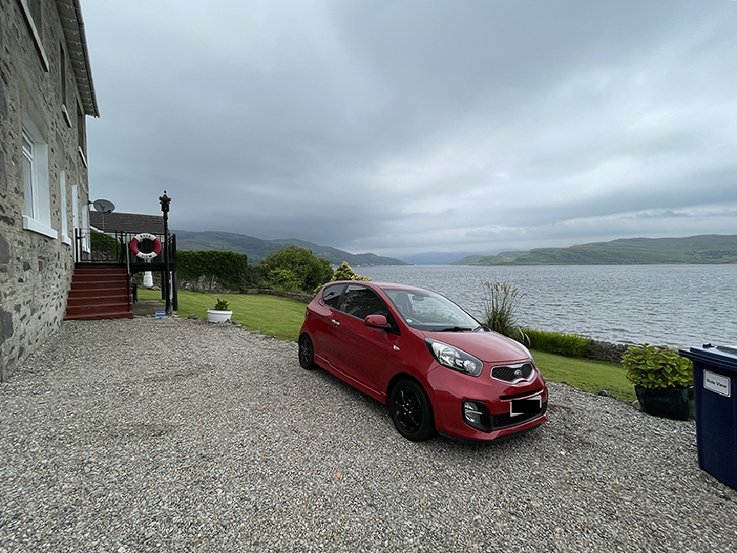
178 435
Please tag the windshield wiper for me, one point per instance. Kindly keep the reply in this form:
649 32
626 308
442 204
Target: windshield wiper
455 329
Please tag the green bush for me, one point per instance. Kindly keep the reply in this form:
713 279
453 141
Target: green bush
657 367
308 270
283 279
568 345
104 246
501 302
346 272
226 269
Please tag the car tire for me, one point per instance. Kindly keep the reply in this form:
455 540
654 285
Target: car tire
306 353
411 411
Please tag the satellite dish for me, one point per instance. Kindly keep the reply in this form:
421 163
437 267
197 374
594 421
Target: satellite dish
103 206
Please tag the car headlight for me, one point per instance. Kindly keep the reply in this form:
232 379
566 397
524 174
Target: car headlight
455 358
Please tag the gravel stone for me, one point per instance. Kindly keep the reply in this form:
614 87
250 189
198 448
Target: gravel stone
174 435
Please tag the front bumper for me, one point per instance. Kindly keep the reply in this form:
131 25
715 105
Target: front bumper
448 389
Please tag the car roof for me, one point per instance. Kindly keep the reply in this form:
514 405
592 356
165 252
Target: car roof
381 285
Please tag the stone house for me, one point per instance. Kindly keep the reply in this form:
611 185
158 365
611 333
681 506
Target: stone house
46 93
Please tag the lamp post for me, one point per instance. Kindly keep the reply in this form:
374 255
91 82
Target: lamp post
166 281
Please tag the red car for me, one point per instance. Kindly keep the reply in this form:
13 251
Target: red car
436 367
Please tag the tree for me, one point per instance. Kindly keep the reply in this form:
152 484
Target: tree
307 270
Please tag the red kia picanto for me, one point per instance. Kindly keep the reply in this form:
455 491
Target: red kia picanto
436 367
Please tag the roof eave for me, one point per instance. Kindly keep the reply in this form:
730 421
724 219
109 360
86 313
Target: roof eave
70 13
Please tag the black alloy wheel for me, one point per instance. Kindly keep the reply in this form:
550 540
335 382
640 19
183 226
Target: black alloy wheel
411 411
306 353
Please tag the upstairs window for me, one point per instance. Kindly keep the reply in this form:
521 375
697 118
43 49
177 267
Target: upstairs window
33 11
82 134
63 82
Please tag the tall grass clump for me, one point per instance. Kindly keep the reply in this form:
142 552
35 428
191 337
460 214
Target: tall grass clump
568 345
501 303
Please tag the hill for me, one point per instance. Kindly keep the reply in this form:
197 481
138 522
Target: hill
257 249
705 248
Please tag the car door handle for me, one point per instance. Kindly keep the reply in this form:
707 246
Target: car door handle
335 323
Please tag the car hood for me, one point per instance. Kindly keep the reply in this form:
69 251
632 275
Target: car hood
489 347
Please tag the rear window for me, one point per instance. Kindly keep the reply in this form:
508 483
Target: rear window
331 295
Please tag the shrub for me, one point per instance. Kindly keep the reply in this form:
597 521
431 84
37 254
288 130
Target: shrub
501 302
657 367
283 279
346 272
308 270
569 345
228 270
104 246
221 305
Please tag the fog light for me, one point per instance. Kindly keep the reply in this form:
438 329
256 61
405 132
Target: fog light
471 413
476 415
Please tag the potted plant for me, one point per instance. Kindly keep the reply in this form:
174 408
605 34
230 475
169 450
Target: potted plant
663 380
220 312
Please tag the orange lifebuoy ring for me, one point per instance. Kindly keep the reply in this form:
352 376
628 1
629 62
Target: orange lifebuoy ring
133 245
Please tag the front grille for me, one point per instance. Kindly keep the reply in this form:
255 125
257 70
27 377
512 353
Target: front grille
512 373
501 421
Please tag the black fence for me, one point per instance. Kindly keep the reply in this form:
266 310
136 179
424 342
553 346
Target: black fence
142 251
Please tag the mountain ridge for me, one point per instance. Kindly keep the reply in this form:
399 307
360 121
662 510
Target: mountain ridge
699 249
257 248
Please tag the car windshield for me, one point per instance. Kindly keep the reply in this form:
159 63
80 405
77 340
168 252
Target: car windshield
429 311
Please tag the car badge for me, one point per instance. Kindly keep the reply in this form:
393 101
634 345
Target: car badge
518 373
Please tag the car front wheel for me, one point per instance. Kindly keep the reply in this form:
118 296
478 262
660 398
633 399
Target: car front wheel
411 411
306 353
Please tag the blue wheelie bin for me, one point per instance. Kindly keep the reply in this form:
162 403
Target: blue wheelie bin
715 390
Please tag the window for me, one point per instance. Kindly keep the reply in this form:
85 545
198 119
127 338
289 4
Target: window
86 227
33 11
361 302
63 216
29 167
63 79
81 134
35 168
331 295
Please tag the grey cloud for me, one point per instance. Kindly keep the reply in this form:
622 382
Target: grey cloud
411 126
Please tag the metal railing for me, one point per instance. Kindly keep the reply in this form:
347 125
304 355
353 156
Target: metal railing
118 248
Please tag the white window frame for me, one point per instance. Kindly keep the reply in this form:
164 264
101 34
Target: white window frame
63 215
37 211
85 226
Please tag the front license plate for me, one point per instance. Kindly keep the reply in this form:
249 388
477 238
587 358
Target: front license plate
519 407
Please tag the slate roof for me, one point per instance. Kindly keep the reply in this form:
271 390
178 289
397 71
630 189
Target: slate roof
127 222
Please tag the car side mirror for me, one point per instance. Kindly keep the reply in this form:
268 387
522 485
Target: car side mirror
376 321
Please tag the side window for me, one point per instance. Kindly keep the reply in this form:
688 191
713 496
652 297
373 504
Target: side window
331 295
361 302
35 171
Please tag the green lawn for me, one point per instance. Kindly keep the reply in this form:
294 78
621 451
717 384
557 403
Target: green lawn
282 317
586 374
269 315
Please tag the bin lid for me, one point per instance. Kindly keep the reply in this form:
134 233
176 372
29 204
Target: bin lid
724 357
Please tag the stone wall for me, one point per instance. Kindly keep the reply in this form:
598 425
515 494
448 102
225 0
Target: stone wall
35 269
606 351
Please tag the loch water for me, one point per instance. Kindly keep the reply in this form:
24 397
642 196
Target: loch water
678 305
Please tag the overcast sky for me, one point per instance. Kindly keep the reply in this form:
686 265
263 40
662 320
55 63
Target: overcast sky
399 127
